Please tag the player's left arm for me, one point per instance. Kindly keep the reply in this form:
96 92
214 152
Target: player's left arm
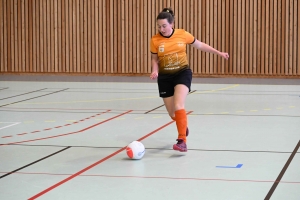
205 47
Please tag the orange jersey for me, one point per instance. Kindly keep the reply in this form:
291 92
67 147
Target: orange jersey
171 51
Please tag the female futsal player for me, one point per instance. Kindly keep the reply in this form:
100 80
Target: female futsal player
170 67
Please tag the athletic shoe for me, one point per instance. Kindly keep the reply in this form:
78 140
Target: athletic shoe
180 146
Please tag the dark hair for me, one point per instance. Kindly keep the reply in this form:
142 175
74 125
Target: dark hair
166 13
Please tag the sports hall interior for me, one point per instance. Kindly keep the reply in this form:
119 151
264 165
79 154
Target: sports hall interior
75 91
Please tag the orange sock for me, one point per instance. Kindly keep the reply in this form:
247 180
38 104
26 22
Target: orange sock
181 123
173 118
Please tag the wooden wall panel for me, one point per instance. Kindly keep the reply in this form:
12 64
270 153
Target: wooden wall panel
1 35
15 30
298 34
8 35
262 37
294 50
2 39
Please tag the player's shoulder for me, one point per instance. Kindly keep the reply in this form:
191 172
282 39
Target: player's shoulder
155 38
180 31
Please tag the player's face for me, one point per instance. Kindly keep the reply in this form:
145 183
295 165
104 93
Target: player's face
164 27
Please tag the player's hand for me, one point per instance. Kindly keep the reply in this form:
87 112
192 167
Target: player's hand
224 55
153 75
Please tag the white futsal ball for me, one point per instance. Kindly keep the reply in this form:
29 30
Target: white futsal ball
135 150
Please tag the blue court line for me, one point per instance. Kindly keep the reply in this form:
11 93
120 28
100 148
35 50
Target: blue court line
238 166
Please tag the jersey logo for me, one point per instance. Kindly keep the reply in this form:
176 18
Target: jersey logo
180 44
171 62
161 48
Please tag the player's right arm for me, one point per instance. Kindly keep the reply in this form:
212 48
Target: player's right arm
154 65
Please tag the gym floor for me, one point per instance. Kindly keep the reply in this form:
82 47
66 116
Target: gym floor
64 137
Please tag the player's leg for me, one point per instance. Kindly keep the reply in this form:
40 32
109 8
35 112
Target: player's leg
182 88
171 107
180 94
169 104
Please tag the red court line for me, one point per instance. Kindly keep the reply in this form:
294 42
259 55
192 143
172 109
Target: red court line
96 163
8 136
47 129
35 131
156 177
65 134
15 108
22 134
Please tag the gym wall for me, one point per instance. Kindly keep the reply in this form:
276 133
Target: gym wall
111 37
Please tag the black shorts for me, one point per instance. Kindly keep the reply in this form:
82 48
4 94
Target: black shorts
167 83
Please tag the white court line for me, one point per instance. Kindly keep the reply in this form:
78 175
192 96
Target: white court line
14 123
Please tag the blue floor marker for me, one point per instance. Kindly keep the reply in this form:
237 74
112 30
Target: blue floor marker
238 166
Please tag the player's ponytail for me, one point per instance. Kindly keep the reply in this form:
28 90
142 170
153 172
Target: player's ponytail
166 13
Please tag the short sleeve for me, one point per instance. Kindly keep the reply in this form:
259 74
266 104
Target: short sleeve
153 49
189 38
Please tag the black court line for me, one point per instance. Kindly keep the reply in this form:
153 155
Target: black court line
154 109
164 105
4 88
150 148
42 111
24 93
258 91
246 115
237 94
112 88
277 181
34 162
97 92
193 91
156 113
33 97
36 111
200 90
